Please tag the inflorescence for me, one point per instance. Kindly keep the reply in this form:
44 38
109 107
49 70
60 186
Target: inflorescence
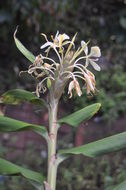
69 67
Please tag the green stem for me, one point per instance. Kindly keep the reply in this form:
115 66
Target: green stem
53 127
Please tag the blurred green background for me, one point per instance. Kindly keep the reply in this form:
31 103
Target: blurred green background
104 23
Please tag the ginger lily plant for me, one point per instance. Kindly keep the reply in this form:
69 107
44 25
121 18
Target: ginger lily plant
64 70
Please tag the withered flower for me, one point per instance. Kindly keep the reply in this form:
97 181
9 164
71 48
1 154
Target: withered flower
74 84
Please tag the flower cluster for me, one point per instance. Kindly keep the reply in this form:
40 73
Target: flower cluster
70 67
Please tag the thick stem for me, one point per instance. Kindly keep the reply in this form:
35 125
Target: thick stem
53 127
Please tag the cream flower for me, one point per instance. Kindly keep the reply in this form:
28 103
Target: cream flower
60 38
55 74
93 56
90 81
57 42
74 85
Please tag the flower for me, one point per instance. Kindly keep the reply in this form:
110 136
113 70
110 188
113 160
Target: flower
56 74
90 81
57 42
93 56
42 71
74 85
60 38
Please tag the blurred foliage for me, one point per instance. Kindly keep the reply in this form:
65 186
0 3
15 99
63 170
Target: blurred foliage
101 173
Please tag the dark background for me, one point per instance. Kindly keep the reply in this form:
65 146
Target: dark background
104 24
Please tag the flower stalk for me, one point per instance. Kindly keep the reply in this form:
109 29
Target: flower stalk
52 141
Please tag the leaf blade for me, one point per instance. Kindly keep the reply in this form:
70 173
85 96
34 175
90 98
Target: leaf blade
84 114
107 145
22 49
12 125
17 96
8 168
121 186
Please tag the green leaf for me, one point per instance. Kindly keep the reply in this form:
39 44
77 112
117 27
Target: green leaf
48 83
9 169
121 186
17 96
123 22
82 115
100 147
37 185
23 50
11 125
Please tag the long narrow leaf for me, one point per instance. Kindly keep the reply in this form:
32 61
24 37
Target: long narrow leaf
121 186
17 96
23 50
10 125
9 169
82 115
37 185
100 147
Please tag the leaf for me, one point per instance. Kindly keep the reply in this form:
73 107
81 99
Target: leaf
37 186
12 125
121 186
123 22
48 83
9 169
17 96
22 49
82 115
100 147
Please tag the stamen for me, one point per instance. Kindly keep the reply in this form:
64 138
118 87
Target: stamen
81 66
21 72
80 77
49 59
61 61
65 72
40 68
44 36
80 58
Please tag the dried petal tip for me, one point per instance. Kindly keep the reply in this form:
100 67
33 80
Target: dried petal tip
90 82
74 85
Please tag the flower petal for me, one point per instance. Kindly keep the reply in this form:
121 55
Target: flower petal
57 34
46 45
67 42
77 87
70 88
87 62
90 81
44 36
83 43
65 37
95 51
94 65
62 37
